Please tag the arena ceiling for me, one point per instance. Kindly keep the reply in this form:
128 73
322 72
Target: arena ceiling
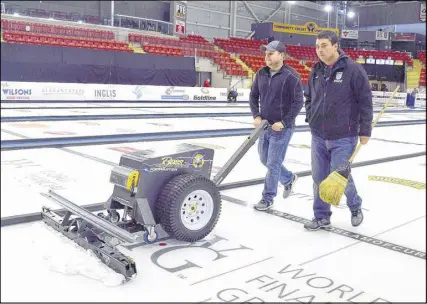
356 3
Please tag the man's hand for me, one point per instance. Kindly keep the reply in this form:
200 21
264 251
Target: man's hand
278 126
257 121
363 139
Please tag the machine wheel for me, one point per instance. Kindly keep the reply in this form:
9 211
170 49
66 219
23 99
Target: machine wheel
150 239
188 207
113 216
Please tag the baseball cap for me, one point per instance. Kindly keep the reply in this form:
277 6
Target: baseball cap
274 45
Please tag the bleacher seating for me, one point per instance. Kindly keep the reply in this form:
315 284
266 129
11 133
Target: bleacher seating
257 62
247 50
183 42
422 56
196 40
224 60
423 77
65 41
309 53
240 45
188 46
58 30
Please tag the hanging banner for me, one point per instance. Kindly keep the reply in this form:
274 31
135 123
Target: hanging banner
310 28
402 37
423 11
178 14
180 10
381 35
350 34
180 27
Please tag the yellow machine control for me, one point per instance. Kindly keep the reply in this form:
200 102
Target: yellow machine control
125 177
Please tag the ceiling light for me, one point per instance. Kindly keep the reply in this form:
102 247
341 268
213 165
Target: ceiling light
350 14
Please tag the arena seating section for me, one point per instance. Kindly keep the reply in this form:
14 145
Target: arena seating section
308 53
56 35
188 46
422 57
221 51
58 30
257 62
240 45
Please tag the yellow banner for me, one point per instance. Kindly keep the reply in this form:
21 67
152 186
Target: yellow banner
310 28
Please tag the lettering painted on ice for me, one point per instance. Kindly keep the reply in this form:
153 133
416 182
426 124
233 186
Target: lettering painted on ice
35 174
178 258
19 163
292 284
353 235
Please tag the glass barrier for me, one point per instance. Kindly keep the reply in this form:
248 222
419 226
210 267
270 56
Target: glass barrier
141 24
65 13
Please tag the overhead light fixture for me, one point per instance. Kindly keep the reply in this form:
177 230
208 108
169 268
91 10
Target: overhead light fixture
291 2
350 14
328 8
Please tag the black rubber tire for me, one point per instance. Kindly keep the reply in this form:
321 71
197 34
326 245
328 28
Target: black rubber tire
169 203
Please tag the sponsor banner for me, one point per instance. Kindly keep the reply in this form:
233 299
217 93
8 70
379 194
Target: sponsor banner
179 17
243 94
420 101
350 34
64 91
104 92
180 27
42 91
380 98
361 60
16 92
370 60
402 37
310 28
181 10
381 35
190 93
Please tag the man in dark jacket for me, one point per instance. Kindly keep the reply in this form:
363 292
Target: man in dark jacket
338 109
232 96
276 96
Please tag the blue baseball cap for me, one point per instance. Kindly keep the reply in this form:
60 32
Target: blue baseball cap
274 46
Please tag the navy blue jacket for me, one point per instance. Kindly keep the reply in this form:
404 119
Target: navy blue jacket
338 100
279 98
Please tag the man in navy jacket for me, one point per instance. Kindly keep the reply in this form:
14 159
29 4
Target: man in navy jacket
339 110
276 96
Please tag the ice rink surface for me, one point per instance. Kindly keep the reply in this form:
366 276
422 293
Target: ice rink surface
250 256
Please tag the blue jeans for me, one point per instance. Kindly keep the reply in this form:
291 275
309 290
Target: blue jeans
272 148
326 157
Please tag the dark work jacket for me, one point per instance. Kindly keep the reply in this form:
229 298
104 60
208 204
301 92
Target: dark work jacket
278 98
338 100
